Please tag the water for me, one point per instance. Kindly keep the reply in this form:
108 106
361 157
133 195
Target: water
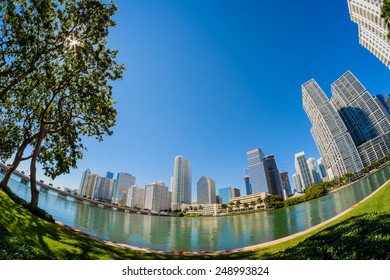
200 234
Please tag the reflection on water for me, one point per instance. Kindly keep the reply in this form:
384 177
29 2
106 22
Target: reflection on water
200 234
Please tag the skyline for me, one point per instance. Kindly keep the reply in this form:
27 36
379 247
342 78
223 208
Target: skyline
211 82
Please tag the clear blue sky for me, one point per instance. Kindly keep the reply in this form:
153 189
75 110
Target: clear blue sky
210 80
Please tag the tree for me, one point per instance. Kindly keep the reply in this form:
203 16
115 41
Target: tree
385 14
253 203
68 94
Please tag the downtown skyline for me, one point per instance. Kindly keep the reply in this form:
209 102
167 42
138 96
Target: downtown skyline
212 82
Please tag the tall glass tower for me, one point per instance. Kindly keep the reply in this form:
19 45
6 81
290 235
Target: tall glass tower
256 171
272 174
181 183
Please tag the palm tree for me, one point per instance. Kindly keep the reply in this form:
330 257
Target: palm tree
253 203
238 203
246 206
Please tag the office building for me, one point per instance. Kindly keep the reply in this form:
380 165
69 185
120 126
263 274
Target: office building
123 182
256 171
302 169
104 189
90 183
330 134
274 182
135 197
285 182
157 197
247 184
227 194
181 183
372 28
313 168
297 183
83 178
364 118
321 168
110 175
206 191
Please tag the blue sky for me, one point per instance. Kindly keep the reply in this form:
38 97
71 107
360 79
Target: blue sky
211 80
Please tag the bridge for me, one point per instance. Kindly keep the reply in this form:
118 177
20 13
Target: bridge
24 179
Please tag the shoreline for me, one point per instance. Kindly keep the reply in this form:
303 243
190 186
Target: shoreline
221 252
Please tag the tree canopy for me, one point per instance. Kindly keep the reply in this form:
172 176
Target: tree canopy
55 72
386 14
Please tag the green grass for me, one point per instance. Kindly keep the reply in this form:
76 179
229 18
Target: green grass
362 233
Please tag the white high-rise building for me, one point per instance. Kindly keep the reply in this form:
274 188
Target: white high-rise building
90 183
104 189
330 134
297 182
135 197
366 121
206 193
372 27
302 169
181 183
83 178
157 197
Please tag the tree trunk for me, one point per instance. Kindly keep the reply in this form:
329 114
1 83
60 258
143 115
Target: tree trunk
33 171
14 165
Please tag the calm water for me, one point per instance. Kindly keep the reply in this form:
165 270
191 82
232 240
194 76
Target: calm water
200 234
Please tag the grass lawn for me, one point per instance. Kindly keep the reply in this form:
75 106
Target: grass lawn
362 233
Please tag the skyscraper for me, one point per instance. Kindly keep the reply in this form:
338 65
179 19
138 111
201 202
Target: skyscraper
90 185
351 130
329 132
302 169
206 191
247 184
366 121
157 197
256 171
104 189
135 197
181 183
297 182
123 182
321 168
286 182
372 27
315 175
110 175
272 175
83 179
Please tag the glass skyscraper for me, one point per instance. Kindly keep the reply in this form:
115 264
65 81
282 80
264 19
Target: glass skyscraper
256 171
181 183
272 175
